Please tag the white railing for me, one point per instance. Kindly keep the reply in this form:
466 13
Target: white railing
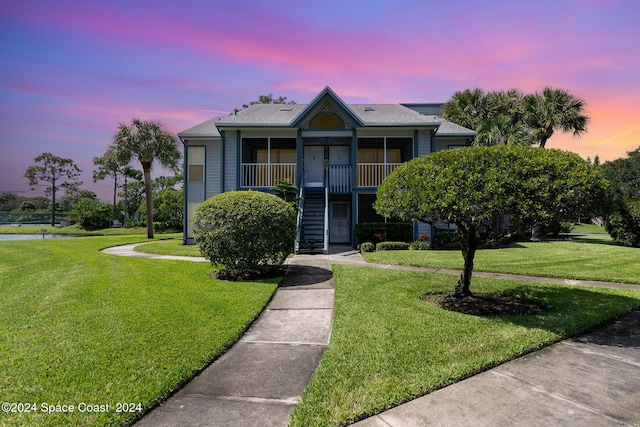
266 175
339 178
296 248
372 174
325 249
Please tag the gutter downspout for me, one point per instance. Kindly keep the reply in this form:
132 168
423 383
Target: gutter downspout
185 187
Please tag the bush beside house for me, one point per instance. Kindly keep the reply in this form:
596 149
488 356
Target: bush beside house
249 233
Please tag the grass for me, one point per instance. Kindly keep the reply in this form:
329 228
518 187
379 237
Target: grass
588 228
169 247
77 231
583 258
77 326
388 347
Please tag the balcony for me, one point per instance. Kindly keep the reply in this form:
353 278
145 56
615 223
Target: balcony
266 175
372 174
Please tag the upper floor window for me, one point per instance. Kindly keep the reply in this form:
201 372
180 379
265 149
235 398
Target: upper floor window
196 164
384 150
326 121
265 161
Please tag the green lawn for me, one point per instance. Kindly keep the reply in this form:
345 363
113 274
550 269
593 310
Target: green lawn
588 228
78 326
77 231
169 247
388 346
586 258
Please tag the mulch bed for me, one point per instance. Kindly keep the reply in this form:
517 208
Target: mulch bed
482 304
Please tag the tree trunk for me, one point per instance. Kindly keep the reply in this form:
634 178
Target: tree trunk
53 201
53 204
469 244
149 199
115 193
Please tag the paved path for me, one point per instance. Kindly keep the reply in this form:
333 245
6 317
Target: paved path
260 380
589 380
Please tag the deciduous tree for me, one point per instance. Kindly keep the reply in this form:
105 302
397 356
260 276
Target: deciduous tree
57 172
472 187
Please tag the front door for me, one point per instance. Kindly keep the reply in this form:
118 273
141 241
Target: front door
313 166
339 222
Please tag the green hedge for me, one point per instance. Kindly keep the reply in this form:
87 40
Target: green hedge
376 232
29 217
624 222
392 246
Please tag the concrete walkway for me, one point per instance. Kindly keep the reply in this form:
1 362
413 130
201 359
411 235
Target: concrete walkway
589 380
260 380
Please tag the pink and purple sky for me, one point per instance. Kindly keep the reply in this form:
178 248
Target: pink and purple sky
71 70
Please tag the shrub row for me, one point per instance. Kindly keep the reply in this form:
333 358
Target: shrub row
376 232
392 246
418 245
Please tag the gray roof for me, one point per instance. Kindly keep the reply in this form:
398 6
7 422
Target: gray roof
207 129
365 115
391 115
263 115
448 128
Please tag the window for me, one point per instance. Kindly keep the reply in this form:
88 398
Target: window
196 164
265 161
326 121
378 157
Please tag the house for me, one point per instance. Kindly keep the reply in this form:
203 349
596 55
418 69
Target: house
336 153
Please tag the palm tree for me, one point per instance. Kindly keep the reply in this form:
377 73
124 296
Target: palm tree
467 108
148 142
554 109
502 130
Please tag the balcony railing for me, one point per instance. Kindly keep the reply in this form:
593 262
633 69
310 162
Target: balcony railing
266 175
339 178
372 174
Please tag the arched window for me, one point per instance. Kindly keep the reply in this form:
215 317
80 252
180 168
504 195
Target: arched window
326 121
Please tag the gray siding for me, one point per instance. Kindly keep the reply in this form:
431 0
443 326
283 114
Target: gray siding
213 168
423 228
230 161
424 142
450 142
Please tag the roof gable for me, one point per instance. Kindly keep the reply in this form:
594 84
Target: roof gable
327 101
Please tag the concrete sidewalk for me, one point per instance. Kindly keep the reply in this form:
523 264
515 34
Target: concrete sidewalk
589 380
259 380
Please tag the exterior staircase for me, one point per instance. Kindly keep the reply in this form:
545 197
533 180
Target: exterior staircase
312 231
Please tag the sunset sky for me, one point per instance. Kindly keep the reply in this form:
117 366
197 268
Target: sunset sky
70 71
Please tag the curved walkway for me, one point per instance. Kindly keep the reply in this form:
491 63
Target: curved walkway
590 380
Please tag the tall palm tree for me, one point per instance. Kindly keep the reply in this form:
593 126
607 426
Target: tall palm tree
502 130
554 109
148 142
467 108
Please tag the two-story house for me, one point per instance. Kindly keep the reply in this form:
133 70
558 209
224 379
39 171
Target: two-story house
336 153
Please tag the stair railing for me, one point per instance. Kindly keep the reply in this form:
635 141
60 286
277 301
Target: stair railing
296 248
326 220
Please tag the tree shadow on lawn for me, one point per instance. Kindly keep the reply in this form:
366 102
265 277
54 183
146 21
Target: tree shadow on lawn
560 310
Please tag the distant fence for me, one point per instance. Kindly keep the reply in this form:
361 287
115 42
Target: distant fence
29 217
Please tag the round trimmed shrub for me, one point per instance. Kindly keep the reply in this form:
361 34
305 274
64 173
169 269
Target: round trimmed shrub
249 233
367 247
